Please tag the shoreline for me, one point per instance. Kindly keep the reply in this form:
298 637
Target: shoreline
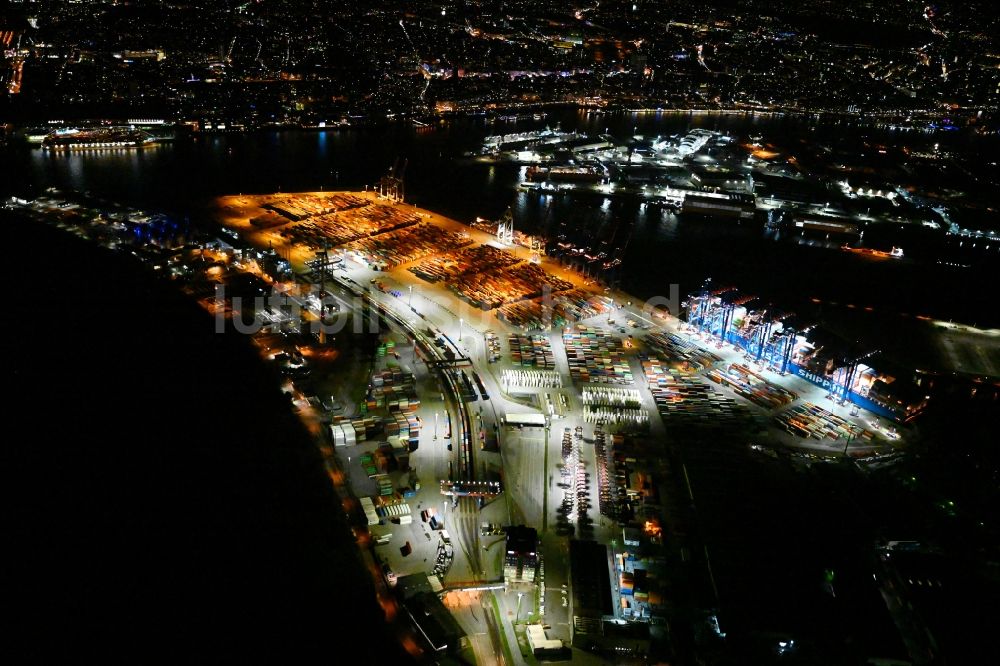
233 212
626 307
613 108
382 300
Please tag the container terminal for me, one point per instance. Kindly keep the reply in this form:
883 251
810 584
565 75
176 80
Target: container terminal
510 452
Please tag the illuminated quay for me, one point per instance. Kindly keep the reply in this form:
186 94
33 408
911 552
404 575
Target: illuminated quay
550 388
503 390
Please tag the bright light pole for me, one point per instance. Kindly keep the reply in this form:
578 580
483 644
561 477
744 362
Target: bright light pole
850 438
435 425
411 296
460 329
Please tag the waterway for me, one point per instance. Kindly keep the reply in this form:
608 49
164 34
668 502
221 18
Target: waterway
790 270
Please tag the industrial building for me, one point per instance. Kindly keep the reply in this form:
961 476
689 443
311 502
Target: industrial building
520 563
591 585
594 627
734 205
726 180
430 617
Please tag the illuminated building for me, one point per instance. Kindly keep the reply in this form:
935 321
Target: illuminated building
521 561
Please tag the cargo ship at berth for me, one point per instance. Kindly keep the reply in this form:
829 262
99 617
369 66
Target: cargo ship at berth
564 174
895 253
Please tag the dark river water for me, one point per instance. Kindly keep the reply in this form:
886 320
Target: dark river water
664 248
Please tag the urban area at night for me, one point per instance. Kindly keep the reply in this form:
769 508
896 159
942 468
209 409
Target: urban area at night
499 333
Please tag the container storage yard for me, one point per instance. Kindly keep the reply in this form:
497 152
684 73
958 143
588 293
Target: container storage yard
334 220
348 431
685 399
300 206
450 265
809 420
596 356
531 351
716 402
674 349
390 249
491 289
752 386
553 311
517 313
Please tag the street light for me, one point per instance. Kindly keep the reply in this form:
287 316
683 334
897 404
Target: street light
435 425
850 438
460 322
411 296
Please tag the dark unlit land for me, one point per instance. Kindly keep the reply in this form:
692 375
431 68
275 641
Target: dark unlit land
166 500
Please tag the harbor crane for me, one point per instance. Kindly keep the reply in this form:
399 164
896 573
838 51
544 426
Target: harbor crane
391 186
505 227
